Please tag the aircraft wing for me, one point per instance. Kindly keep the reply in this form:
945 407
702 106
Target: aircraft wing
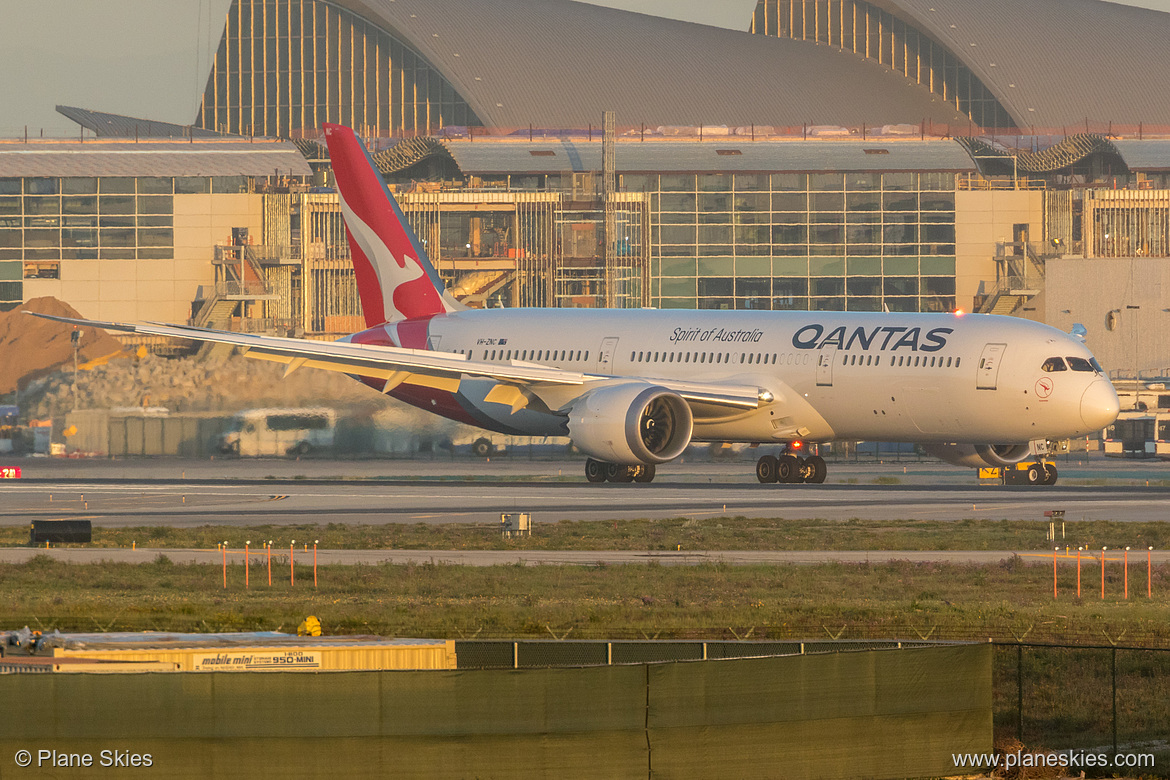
426 368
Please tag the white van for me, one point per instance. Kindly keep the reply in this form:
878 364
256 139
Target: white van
279 432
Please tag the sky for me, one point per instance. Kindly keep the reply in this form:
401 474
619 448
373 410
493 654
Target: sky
151 58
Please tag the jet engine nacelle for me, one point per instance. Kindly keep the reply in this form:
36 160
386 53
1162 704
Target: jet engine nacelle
632 423
978 456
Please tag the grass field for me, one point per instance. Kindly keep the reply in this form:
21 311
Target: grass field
899 599
734 533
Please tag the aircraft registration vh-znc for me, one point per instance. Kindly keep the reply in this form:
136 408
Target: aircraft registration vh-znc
633 387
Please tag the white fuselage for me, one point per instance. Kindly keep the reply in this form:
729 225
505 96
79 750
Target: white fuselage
833 375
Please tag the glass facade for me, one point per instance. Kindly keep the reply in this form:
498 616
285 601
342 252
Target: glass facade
285 66
878 35
46 220
821 241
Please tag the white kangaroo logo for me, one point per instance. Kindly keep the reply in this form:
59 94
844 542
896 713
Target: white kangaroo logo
386 267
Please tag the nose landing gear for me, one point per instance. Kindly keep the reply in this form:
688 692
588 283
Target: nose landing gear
792 466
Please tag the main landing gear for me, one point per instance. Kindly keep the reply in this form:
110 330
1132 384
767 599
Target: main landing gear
600 471
791 467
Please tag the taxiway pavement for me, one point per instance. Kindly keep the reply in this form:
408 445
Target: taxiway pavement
243 492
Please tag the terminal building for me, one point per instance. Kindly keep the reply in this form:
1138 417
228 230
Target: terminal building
900 156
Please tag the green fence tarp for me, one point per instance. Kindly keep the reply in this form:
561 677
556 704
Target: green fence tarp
873 714
889 713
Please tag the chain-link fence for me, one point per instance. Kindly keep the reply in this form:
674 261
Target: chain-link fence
1103 697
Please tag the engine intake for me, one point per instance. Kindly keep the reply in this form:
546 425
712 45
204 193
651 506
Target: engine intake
979 455
632 423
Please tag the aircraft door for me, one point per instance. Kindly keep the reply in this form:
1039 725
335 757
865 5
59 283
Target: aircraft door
605 354
825 358
988 373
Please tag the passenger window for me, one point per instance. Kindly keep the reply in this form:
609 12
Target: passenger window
1079 364
844 360
949 362
957 361
1053 364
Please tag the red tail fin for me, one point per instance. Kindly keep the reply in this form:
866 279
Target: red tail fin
395 278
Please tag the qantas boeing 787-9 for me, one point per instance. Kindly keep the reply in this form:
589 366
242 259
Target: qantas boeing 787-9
633 387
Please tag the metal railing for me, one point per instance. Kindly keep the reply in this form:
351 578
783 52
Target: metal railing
257 254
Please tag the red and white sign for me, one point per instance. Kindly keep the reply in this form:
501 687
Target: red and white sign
1043 387
9 472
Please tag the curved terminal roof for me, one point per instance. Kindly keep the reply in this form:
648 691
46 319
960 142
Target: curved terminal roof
728 155
559 63
106 125
203 157
1056 63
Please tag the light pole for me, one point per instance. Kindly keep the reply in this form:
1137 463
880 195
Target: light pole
75 337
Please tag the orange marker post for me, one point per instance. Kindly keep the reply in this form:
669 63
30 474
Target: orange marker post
291 572
1149 572
314 563
224 548
247 560
268 547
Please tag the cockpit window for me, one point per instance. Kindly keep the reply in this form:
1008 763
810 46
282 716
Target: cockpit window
1079 364
1096 366
1054 364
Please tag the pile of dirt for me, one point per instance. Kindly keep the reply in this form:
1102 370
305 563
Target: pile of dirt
194 384
31 347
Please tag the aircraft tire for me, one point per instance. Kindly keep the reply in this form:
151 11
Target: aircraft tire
787 469
303 448
818 470
1049 474
1035 475
615 472
481 448
595 470
766 469
645 474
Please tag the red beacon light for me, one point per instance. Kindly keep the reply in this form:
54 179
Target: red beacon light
797 445
959 313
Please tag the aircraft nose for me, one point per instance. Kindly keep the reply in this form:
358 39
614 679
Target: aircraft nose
1099 404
